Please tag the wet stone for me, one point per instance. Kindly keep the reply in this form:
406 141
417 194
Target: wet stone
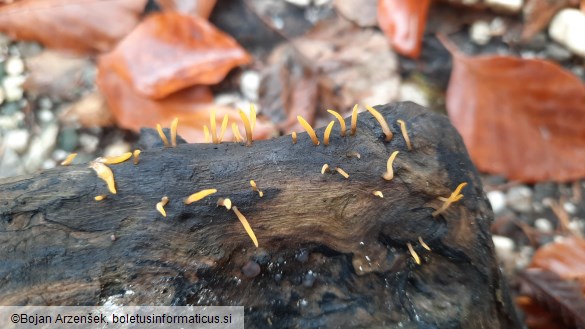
302 255
309 279
251 269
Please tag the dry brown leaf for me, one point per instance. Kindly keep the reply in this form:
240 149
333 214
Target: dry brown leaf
84 26
325 66
403 22
192 106
170 51
56 74
89 111
558 297
566 258
521 118
201 8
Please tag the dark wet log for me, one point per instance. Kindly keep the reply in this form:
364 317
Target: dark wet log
331 253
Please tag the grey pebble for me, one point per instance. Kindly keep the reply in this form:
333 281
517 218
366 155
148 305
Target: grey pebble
519 198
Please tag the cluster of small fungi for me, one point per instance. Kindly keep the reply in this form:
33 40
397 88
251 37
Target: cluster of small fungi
104 172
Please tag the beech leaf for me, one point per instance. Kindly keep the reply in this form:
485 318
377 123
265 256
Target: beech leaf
192 106
521 118
170 51
403 22
84 26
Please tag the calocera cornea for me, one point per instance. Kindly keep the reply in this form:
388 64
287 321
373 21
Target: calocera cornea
136 154
342 172
389 174
162 135
174 125
206 136
294 137
382 122
115 159
328 133
160 206
325 169
454 197
422 243
227 203
105 173
309 129
199 195
340 119
68 159
255 188
213 126
405 134
354 117
247 126
252 117
246 225
99 197
413 253
378 194
236 131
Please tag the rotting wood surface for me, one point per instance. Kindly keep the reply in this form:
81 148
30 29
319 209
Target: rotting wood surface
331 253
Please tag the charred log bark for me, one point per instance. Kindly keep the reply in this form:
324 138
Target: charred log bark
331 254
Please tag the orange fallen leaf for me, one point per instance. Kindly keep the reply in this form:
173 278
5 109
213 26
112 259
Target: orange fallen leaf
170 51
201 8
191 106
521 118
84 26
403 22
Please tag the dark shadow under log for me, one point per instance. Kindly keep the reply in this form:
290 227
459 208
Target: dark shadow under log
331 254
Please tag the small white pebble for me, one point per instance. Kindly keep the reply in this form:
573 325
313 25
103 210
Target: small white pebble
59 155
567 28
46 115
504 245
480 33
299 3
89 143
543 225
116 149
577 226
570 208
249 84
497 200
13 87
14 66
17 140
48 164
512 6
497 27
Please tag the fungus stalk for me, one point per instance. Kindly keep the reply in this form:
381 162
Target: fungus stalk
246 225
69 159
174 125
328 132
309 129
405 134
389 174
354 117
160 206
255 188
382 122
341 121
105 173
199 195
454 197
162 135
